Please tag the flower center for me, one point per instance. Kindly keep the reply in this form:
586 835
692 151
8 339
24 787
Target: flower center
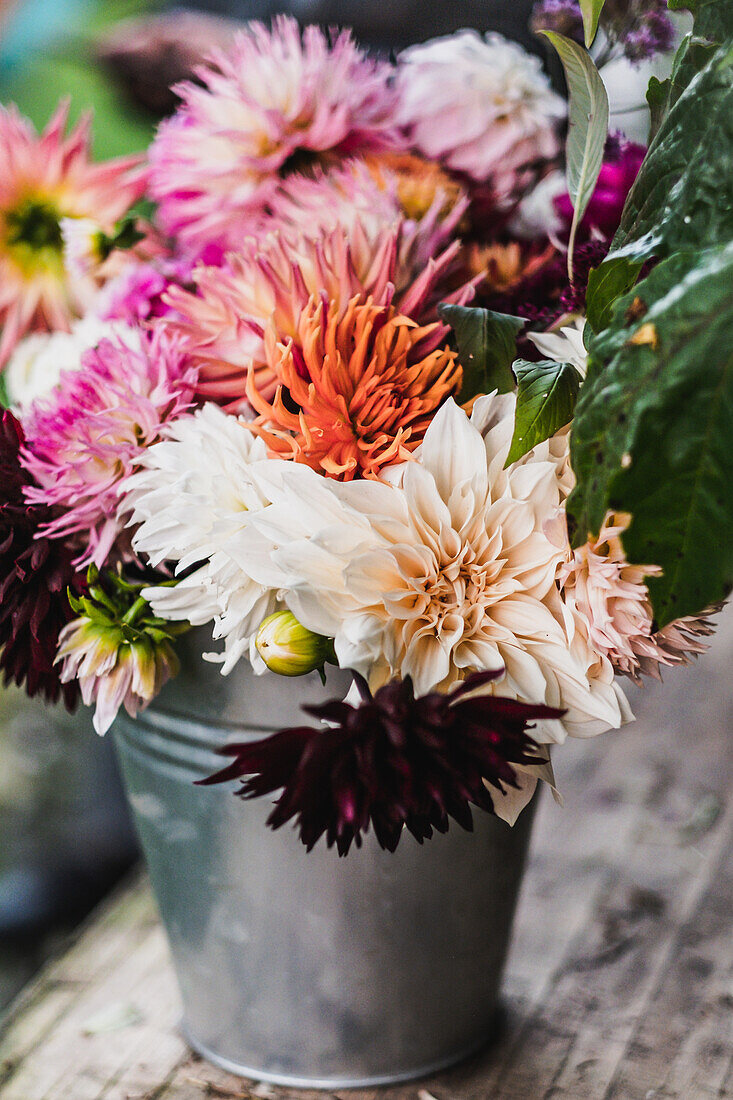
33 234
303 161
35 223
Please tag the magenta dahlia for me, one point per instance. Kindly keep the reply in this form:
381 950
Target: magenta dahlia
35 574
394 761
85 438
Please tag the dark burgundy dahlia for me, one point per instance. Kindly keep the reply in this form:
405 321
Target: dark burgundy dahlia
34 576
393 761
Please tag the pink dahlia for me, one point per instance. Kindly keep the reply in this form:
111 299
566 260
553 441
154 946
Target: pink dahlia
610 601
492 113
280 101
364 197
224 322
46 178
137 292
87 435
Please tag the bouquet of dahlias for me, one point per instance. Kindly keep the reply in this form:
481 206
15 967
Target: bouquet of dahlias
360 369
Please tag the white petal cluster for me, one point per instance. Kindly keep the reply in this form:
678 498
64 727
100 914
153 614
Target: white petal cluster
192 496
480 104
38 361
448 569
536 215
565 346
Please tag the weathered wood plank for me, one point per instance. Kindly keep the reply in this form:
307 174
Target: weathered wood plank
620 980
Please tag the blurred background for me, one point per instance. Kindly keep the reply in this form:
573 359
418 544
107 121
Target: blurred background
64 834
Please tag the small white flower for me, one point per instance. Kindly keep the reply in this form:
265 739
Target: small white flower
536 215
565 346
113 671
38 361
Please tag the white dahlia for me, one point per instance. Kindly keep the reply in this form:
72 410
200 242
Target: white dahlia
447 570
38 360
194 491
479 105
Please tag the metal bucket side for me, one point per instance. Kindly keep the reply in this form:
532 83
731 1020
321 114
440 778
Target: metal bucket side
301 968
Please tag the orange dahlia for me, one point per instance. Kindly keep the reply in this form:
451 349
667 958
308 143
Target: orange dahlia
356 393
222 325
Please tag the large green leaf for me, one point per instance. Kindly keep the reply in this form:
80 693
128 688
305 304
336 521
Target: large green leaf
487 345
683 195
605 284
653 426
546 397
587 129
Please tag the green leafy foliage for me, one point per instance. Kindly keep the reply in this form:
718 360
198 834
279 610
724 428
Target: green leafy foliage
587 128
653 427
605 284
546 397
683 195
591 12
713 18
653 423
487 345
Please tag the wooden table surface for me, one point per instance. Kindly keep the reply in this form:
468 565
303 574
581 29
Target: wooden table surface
620 979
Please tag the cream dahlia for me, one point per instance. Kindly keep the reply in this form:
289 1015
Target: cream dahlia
193 492
492 112
222 325
89 433
46 178
280 101
610 601
445 571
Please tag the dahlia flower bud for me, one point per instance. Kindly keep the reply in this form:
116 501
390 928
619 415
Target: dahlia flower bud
120 653
290 649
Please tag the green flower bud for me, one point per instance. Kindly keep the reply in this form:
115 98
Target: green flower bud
289 648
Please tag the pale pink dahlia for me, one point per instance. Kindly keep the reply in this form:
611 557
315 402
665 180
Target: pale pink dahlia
610 602
46 178
280 101
224 322
364 197
479 105
89 433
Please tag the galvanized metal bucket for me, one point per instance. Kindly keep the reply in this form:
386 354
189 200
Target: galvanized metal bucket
301 968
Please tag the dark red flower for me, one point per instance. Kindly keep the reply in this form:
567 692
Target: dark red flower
34 576
392 761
